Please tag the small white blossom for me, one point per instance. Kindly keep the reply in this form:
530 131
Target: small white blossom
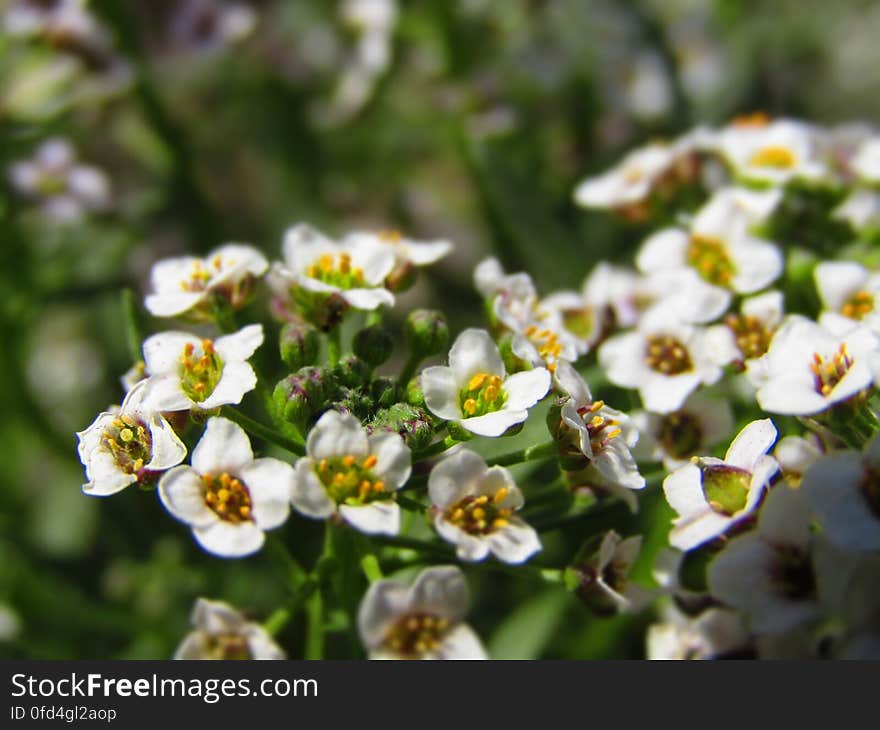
866 161
710 495
356 271
753 329
228 497
675 437
181 285
795 455
189 372
127 445
713 633
474 508
349 472
406 250
808 369
602 581
605 436
475 390
666 359
849 293
843 489
422 621
861 209
66 189
768 572
221 632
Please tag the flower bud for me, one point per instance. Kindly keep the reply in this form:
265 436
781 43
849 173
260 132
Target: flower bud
413 424
300 345
401 278
426 332
384 392
352 372
298 396
414 394
373 345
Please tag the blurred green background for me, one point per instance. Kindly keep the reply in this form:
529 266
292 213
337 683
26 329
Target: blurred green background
466 119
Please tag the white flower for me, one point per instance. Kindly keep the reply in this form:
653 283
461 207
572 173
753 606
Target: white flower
189 372
843 489
753 329
422 621
603 579
720 248
866 161
348 472
849 293
861 209
323 267
675 437
795 455
773 152
768 572
711 634
221 632
808 369
406 250
209 25
126 445
183 284
605 436
666 359
227 497
474 508
476 391
710 495
67 190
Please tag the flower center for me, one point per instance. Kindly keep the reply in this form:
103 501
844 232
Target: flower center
579 322
351 481
858 305
755 120
680 434
416 634
336 270
667 355
480 515
793 572
601 429
390 236
774 156
708 255
726 488
201 275
752 336
827 373
200 370
483 394
546 343
870 487
227 646
130 443
227 497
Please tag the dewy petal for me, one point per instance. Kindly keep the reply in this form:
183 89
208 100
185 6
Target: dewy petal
270 482
308 495
441 591
461 643
752 442
384 602
381 517
239 345
180 491
474 352
394 463
494 424
526 388
515 543
337 434
230 540
162 351
441 392
224 446
167 449
684 490
237 378
455 477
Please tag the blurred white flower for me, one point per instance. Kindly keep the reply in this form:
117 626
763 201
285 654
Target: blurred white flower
710 495
126 445
849 293
866 161
422 621
753 328
713 633
602 579
349 472
186 284
209 25
221 632
188 372
475 390
228 497
474 508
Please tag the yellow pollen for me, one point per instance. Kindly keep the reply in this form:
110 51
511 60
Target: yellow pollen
491 393
777 157
501 495
500 522
126 435
379 486
349 460
613 433
479 513
754 120
476 382
390 236
470 406
370 461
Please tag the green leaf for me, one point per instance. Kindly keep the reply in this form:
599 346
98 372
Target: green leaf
525 633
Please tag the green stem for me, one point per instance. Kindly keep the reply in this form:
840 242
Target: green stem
370 566
435 449
411 543
531 453
409 369
255 428
314 648
334 346
134 336
294 574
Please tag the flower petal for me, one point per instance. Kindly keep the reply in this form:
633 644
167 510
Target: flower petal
224 446
376 518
